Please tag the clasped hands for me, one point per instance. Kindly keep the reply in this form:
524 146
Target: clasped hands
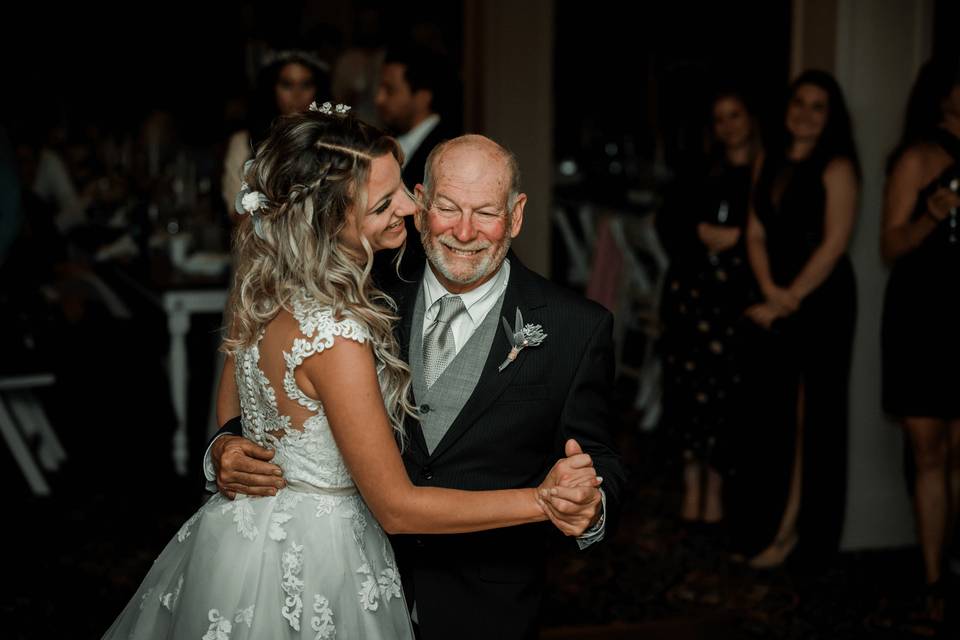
779 303
569 496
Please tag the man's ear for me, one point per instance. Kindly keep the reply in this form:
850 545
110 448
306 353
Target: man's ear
419 218
517 213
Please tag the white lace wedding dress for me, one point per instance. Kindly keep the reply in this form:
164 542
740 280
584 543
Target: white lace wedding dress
311 562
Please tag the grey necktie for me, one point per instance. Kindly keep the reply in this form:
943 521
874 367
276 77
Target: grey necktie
438 345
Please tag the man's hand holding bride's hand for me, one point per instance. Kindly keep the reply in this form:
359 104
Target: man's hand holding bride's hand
569 495
242 467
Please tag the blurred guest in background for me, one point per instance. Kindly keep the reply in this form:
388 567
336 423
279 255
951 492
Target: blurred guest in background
413 102
803 214
705 294
9 195
288 83
921 317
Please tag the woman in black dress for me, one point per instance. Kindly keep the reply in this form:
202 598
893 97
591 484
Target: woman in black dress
921 318
704 297
798 230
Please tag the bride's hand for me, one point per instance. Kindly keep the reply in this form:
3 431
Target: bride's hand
568 495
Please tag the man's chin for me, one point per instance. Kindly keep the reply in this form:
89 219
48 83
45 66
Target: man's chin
458 276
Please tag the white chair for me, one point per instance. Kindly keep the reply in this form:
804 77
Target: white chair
22 416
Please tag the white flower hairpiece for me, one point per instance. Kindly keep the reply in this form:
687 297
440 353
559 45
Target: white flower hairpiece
250 202
328 108
253 201
520 337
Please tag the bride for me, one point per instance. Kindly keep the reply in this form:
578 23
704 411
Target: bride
312 355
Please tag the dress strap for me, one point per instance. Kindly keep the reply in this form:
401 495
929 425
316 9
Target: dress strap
320 328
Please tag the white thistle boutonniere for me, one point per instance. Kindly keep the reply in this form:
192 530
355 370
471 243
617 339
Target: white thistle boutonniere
520 337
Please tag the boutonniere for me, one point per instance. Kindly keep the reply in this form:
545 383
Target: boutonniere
520 337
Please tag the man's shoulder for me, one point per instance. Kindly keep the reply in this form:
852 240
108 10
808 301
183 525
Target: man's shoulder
555 295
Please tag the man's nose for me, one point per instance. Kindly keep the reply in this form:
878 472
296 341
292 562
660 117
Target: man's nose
465 230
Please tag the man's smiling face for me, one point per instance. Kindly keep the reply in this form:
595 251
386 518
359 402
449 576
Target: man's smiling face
467 223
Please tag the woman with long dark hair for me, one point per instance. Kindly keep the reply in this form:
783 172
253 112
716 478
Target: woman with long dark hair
704 297
286 84
800 224
921 317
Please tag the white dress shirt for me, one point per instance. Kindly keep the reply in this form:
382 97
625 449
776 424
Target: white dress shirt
478 303
411 140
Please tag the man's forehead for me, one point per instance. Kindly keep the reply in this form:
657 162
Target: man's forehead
471 163
394 72
473 183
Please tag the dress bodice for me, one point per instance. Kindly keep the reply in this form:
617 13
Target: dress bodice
307 453
790 202
726 192
942 243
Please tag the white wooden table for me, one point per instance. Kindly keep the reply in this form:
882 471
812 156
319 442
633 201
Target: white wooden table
179 305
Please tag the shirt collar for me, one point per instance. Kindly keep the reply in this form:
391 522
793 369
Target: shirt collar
411 140
473 299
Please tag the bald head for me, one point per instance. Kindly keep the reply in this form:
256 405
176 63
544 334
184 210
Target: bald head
474 157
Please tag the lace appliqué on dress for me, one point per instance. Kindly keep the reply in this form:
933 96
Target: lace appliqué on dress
385 586
245 616
358 520
220 627
243 515
320 329
322 623
389 580
369 591
258 402
292 584
184 531
169 600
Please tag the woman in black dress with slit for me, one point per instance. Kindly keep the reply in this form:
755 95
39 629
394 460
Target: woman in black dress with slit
921 318
803 214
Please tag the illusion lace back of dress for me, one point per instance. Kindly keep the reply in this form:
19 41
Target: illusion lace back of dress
309 563
278 414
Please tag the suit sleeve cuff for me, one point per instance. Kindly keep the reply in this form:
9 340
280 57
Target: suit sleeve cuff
208 471
595 533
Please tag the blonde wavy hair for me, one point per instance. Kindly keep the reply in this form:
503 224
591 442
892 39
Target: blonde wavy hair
312 170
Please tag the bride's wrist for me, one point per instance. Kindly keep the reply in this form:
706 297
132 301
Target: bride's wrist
540 514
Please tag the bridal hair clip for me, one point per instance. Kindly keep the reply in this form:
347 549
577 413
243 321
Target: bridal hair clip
329 109
250 202
520 337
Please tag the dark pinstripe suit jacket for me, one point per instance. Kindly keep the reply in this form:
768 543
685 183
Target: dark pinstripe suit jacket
508 435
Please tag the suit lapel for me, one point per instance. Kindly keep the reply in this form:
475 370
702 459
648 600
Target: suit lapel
521 294
406 298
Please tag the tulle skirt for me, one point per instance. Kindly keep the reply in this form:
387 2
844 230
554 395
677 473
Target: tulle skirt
302 564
